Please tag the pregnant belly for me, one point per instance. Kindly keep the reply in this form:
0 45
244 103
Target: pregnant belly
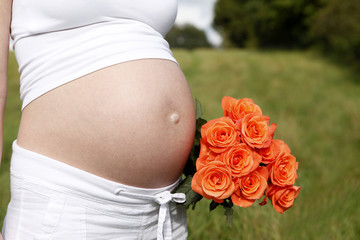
132 123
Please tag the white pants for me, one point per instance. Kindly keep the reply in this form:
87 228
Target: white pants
51 200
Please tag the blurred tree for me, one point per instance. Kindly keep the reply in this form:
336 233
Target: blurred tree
187 36
265 23
336 28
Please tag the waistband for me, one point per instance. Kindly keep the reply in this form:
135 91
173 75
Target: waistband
58 176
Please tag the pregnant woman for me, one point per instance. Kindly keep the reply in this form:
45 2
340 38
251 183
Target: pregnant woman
107 120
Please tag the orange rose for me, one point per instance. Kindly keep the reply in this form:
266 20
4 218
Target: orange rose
219 134
283 146
241 159
237 109
283 170
213 181
269 154
255 130
282 198
205 156
250 187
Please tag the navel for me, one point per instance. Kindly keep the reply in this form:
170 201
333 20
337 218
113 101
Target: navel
175 118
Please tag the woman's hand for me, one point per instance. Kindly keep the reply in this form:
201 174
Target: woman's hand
1 238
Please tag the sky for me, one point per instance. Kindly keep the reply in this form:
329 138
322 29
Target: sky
200 14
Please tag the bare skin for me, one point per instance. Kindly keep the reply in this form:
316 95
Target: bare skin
5 19
132 123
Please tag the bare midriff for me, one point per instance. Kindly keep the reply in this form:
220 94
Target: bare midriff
132 123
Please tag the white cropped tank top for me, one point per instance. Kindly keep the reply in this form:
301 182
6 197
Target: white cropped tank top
58 41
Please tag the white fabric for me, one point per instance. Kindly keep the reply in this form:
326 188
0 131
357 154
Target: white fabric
164 198
52 200
58 41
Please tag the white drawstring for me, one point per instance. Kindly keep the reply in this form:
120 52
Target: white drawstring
164 221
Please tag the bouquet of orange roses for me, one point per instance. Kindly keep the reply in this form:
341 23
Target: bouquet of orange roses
235 160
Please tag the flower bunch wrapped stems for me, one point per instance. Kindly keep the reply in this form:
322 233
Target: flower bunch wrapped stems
239 162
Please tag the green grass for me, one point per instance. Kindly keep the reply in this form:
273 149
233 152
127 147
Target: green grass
11 124
316 105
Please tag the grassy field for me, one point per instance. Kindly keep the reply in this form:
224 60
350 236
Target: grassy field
316 105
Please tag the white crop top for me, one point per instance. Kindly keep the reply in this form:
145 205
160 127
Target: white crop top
58 41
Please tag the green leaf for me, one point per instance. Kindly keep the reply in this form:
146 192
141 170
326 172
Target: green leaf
213 205
198 109
191 196
184 186
229 213
195 151
190 167
199 123
227 203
